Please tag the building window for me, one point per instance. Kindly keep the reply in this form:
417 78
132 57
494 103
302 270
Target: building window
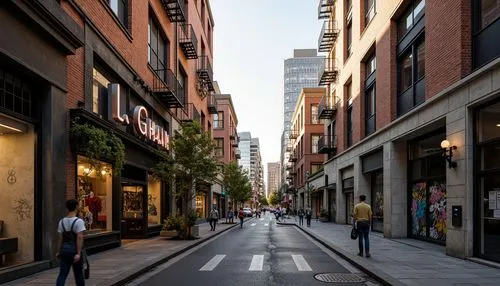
100 94
183 80
411 78
314 114
369 11
414 13
349 39
349 126
371 65
316 167
203 14
120 8
314 143
158 49
16 95
486 24
370 99
219 147
219 120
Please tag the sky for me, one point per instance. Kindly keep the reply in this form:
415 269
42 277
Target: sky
252 38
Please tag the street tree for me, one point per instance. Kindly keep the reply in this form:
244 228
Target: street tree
274 199
236 182
263 200
189 163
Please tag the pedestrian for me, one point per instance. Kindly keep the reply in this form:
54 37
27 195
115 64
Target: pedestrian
301 216
70 245
362 217
241 216
308 216
230 215
214 216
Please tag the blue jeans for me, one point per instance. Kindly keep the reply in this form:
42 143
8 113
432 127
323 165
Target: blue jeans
66 263
241 222
364 231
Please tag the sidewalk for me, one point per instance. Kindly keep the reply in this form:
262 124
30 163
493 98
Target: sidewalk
118 265
402 261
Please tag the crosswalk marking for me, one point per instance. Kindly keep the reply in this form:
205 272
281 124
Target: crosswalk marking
266 224
301 263
257 263
262 219
213 263
253 224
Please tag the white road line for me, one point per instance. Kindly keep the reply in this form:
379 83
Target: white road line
257 263
213 263
262 219
301 263
253 224
266 224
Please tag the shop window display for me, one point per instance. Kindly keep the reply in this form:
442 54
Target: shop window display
200 206
95 194
17 192
132 202
154 201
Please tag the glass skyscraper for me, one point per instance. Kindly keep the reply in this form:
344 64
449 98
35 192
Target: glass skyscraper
299 72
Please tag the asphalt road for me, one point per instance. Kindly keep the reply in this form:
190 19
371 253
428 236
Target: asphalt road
261 253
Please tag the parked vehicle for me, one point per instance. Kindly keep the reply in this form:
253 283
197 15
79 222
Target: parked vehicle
248 212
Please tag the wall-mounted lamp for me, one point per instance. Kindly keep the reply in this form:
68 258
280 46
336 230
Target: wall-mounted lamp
448 153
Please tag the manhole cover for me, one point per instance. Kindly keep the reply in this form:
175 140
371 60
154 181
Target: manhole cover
339 278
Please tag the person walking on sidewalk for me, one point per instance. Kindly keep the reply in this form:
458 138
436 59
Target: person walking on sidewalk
301 216
214 216
308 216
230 215
70 245
241 216
362 218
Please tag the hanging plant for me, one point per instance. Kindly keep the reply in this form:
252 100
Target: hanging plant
98 144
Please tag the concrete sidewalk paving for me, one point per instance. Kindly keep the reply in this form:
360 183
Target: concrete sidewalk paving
115 266
402 261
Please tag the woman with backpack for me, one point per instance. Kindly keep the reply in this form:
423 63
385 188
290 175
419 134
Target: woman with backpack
241 216
214 216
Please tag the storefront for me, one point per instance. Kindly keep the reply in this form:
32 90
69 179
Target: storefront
487 182
427 188
372 167
37 38
348 191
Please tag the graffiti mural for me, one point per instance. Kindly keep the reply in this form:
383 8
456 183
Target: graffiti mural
437 211
419 209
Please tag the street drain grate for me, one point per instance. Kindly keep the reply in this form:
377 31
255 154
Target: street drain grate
339 278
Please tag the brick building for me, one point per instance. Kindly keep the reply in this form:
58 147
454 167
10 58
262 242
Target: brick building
305 158
226 139
411 118
135 69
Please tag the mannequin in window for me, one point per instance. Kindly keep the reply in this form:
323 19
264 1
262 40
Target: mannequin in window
94 204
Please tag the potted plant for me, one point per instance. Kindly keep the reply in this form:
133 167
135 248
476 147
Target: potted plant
171 227
190 223
323 215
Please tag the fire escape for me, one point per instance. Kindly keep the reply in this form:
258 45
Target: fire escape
327 144
328 36
327 107
329 72
325 9
205 76
212 103
176 10
188 40
167 89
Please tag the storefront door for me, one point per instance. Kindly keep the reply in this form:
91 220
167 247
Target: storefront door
427 190
349 206
487 191
133 208
377 198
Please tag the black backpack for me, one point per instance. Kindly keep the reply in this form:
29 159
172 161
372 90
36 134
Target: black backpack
68 246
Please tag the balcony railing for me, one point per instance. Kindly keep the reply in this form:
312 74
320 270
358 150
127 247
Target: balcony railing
289 166
327 107
328 72
188 114
205 72
188 41
294 134
292 158
328 36
327 144
176 10
232 133
325 8
212 103
237 154
289 147
167 89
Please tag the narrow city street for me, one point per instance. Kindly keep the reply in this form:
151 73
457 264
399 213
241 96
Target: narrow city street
261 253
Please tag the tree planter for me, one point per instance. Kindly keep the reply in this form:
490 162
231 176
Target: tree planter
169 233
195 231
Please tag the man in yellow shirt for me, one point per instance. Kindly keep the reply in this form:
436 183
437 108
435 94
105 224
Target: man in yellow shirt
362 218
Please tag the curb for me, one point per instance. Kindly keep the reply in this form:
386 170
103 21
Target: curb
123 280
372 271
